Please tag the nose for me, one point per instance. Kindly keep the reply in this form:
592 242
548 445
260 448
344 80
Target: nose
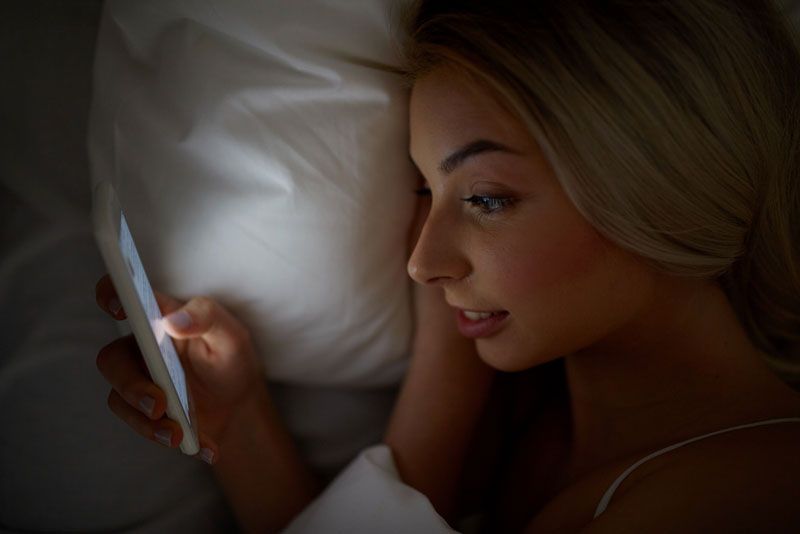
438 257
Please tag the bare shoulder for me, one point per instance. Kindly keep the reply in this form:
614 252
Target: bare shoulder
745 480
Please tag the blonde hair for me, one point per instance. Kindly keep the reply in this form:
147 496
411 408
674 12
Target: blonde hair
673 126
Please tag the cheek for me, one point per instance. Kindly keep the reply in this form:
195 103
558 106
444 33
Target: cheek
546 262
557 285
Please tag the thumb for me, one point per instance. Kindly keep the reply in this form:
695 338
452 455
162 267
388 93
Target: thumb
204 318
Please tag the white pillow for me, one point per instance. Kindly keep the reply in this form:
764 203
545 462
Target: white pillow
259 150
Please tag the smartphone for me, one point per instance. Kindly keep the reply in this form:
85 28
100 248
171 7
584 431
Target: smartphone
139 302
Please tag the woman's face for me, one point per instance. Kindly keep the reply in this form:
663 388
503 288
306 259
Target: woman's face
502 236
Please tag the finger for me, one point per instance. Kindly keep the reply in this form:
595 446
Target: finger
204 318
120 362
107 299
163 431
209 451
167 304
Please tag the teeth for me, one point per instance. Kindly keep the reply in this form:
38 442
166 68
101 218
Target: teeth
477 316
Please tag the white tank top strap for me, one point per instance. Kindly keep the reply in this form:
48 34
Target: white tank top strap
601 507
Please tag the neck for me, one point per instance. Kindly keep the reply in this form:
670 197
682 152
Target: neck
682 368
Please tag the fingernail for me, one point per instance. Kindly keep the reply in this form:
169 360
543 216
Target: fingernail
207 455
114 306
164 436
147 404
179 319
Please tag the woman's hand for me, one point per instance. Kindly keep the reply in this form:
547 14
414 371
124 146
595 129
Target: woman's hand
221 367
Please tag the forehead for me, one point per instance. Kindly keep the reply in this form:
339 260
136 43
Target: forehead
449 109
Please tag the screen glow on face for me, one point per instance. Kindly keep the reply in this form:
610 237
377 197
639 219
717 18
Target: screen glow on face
154 317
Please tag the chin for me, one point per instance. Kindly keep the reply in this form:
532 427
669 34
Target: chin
504 359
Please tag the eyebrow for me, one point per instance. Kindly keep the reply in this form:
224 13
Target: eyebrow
451 162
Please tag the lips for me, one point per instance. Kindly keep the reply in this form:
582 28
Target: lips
473 324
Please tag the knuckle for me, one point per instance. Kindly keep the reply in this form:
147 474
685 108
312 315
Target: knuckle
204 306
204 303
98 287
103 289
103 356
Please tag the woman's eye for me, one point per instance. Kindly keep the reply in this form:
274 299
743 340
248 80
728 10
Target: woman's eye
488 204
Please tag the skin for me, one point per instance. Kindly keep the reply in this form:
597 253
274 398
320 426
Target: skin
241 435
650 359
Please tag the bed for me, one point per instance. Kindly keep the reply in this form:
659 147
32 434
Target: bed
260 151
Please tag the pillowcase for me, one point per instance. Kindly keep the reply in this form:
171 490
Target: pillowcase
259 150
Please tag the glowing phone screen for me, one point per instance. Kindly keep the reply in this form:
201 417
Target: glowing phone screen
154 317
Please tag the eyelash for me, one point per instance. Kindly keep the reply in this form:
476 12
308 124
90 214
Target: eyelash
486 204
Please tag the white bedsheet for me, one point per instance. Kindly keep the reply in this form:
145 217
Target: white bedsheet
368 497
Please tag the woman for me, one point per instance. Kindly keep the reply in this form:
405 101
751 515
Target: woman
614 191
